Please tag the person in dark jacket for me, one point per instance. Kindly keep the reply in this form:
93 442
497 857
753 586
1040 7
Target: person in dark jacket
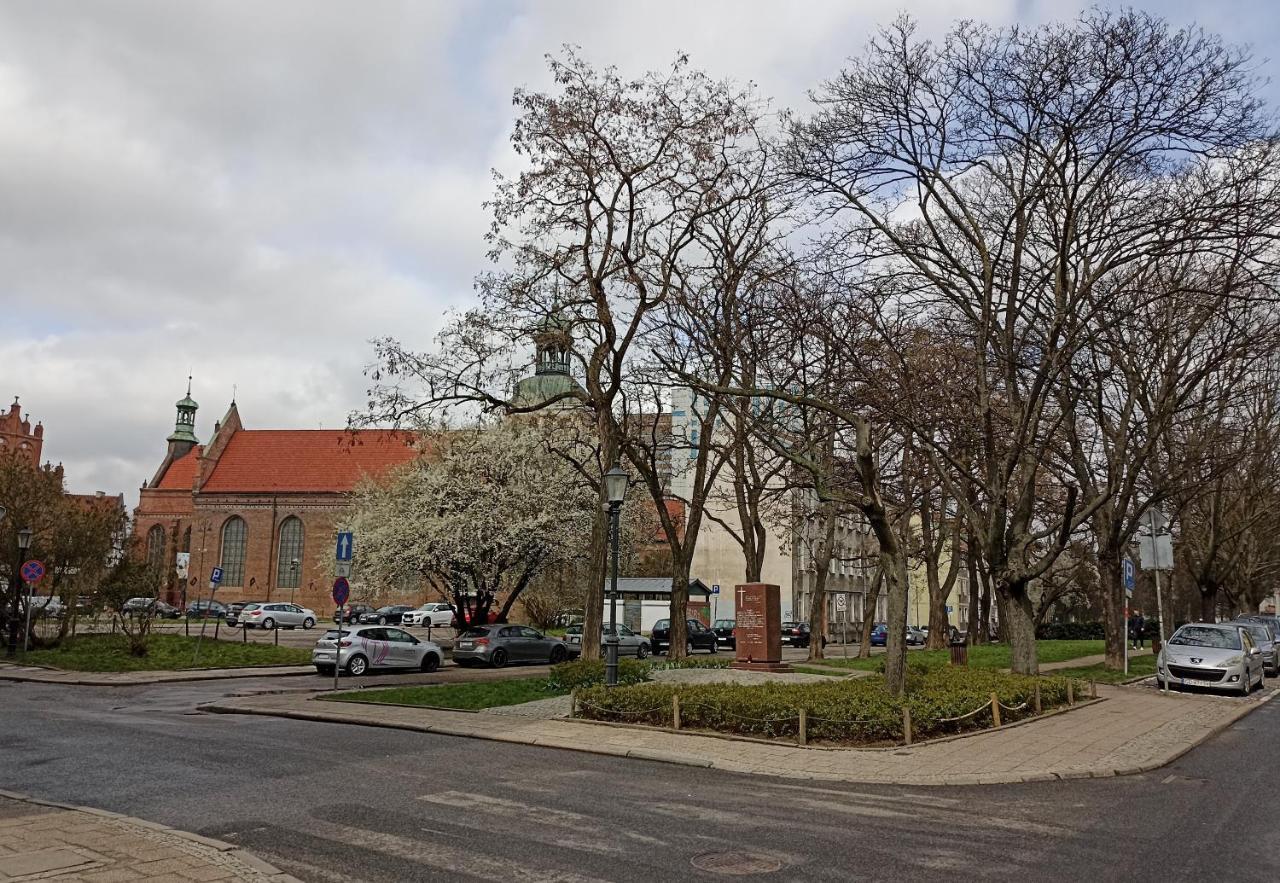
1137 625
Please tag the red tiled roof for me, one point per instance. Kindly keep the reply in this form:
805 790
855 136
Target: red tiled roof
181 473
305 460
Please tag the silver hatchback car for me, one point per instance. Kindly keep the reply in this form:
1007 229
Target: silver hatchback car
366 647
498 645
1218 656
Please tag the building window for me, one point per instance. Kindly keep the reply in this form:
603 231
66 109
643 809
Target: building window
155 547
233 542
288 576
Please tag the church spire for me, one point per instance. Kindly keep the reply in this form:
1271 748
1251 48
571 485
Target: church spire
184 427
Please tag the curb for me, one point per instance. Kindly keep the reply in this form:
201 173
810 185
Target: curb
686 760
246 858
183 677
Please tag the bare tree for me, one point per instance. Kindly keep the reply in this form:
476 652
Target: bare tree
1008 182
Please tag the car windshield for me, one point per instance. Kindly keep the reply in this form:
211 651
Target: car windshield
1206 636
252 606
387 609
724 623
475 633
1258 632
573 630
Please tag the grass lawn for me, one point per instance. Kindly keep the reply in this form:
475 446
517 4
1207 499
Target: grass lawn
980 656
1138 666
481 694
164 653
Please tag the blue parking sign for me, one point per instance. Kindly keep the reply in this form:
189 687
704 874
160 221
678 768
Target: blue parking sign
216 576
1130 576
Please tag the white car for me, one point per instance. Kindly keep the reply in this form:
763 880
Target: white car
277 615
366 647
437 615
46 605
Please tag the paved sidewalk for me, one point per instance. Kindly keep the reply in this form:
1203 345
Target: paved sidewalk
1134 729
38 675
50 841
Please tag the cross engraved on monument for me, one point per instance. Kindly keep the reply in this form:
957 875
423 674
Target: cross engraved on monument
758 628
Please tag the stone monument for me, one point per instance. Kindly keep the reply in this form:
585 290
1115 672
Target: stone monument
758 628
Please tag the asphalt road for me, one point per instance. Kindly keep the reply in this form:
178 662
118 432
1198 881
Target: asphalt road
332 802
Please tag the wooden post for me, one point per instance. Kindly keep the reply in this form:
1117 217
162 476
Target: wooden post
573 702
1071 692
1093 689
995 710
1037 696
803 735
277 631
675 711
244 635
906 725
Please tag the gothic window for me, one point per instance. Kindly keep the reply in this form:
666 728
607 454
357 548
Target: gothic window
155 546
234 535
288 576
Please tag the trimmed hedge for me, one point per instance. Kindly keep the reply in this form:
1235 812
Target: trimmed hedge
845 711
581 673
1088 631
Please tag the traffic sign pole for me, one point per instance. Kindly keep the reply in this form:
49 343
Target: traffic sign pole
32 573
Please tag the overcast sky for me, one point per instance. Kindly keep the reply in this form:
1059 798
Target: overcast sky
251 191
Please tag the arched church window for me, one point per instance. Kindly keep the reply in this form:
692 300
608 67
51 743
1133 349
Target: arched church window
291 541
234 538
155 546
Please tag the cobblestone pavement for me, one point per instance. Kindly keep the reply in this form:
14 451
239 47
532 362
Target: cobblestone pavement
45 841
1133 729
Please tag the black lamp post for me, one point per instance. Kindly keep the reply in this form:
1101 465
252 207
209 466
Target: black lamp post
15 586
615 488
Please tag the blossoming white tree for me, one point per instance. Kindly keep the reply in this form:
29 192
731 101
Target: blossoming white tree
478 517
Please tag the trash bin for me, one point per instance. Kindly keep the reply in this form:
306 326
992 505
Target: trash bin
959 652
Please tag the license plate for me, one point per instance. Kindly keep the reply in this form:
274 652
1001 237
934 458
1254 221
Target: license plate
573 639
465 645
328 654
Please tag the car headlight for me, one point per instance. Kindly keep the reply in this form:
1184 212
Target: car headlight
1234 660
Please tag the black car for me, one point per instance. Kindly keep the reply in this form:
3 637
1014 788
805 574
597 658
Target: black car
154 606
724 633
390 615
700 637
352 613
207 610
797 634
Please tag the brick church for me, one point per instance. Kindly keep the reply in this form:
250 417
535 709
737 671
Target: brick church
262 504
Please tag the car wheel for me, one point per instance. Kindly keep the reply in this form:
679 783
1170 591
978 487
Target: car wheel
268 623
558 654
357 665
498 658
308 623
642 651
715 647
382 620
688 648
430 662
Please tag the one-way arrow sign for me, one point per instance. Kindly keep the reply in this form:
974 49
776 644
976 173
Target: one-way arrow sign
346 546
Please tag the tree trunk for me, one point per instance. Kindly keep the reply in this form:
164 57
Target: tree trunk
593 605
895 656
938 621
817 607
1208 602
971 564
679 609
984 614
1018 622
1114 626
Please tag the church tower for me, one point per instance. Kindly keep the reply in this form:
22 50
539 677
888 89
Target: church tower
183 438
551 379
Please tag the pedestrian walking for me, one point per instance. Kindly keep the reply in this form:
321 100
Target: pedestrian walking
1135 629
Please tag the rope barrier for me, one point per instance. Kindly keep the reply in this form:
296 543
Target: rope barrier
986 706
1012 707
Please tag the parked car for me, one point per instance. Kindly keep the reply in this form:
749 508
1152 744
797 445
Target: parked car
1217 656
353 612
158 608
206 610
363 648
629 643
1265 638
235 608
435 614
390 615
699 637
277 615
724 633
917 637
796 634
880 635
498 645
46 605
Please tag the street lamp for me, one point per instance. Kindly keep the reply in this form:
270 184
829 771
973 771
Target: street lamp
15 586
615 489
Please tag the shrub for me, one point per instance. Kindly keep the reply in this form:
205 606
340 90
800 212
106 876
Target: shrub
692 662
590 672
1071 631
942 701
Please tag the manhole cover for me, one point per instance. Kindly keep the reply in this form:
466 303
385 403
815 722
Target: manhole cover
736 864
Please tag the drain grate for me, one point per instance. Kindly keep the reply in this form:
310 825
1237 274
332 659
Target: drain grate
736 864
